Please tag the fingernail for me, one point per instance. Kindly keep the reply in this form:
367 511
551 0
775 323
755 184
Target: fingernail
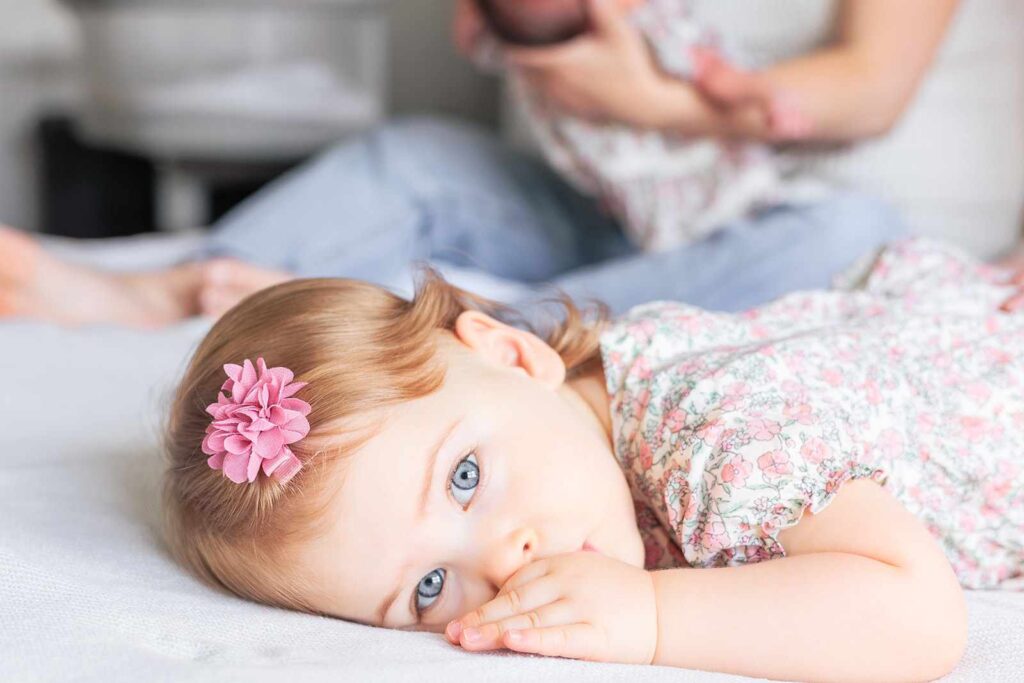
471 634
453 630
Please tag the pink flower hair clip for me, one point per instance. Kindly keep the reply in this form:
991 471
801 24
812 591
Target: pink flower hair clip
255 422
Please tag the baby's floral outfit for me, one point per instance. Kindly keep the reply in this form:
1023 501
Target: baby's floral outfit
665 189
729 425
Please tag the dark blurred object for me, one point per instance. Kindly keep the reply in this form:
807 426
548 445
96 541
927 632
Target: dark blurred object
91 191
535 22
230 190
88 191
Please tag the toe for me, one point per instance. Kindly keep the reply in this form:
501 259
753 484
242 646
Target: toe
18 256
9 306
215 301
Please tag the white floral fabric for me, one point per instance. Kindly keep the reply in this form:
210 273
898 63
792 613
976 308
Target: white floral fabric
666 190
729 426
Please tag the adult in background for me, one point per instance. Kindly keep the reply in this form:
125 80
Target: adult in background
453 194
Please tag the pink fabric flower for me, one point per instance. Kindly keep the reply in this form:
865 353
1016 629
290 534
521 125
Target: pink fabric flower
254 423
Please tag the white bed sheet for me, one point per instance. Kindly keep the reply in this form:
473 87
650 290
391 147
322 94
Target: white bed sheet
88 592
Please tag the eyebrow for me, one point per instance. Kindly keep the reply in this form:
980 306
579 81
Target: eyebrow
428 476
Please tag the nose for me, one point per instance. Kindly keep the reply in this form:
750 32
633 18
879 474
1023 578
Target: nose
506 554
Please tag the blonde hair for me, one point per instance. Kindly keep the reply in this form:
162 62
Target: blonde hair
360 348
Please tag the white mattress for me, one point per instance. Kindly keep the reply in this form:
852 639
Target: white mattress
88 593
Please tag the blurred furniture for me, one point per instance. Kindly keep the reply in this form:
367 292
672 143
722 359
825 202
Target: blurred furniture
90 190
87 191
220 91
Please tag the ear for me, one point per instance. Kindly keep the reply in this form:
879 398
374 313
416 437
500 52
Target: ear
510 347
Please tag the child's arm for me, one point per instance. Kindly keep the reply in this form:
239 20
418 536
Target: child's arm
864 593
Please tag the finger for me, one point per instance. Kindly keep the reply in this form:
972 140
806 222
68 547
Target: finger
1017 278
607 18
705 60
547 58
526 574
491 636
1014 303
513 601
578 641
568 102
787 119
788 125
728 85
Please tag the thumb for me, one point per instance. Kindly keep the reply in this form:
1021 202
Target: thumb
607 18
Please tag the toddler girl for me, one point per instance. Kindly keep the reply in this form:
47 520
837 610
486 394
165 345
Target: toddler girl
665 188
795 492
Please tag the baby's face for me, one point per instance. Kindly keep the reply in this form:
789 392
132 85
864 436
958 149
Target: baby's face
541 22
458 490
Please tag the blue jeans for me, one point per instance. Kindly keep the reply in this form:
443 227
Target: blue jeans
452 195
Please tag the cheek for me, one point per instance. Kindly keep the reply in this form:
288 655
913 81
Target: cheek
476 594
553 472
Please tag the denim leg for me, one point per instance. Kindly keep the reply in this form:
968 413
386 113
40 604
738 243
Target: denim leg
748 262
419 189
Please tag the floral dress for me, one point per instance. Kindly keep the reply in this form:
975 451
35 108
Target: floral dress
729 425
665 189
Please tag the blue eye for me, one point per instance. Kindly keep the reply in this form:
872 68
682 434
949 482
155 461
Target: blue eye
429 589
464 480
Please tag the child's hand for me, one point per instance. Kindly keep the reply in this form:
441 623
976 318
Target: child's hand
582 605
730 87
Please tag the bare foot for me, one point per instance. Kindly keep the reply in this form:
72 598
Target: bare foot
34 284
227 281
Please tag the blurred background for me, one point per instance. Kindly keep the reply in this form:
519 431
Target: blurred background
126 116
120 116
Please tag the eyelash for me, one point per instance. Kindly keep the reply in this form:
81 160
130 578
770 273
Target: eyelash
481 480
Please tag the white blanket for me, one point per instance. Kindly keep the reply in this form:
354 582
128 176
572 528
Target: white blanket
88 592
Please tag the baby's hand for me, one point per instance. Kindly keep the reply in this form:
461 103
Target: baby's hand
730 87
582 605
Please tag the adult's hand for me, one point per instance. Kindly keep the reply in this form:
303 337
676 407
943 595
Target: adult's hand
606 74
1015 302
467 27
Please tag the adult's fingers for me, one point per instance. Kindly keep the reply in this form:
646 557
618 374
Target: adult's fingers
608 18
1014 303
549 57
467 25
